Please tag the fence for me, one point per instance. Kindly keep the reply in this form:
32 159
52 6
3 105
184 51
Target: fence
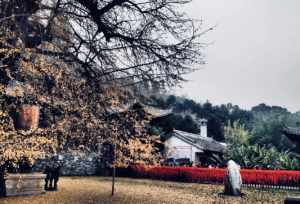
275 179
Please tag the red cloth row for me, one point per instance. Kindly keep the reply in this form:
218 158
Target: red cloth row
216 175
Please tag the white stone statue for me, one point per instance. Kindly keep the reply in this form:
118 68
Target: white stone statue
233 179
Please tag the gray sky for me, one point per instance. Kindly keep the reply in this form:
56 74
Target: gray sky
255 55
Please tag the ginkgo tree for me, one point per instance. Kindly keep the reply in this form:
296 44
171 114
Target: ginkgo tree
76 59
129 140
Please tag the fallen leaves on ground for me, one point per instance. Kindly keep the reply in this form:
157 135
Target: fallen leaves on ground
90 190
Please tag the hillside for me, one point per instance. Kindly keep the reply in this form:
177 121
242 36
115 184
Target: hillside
265 123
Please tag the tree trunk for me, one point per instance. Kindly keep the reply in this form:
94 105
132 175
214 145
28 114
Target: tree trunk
113 180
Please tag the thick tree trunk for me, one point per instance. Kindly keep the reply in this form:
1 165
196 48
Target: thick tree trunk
2 183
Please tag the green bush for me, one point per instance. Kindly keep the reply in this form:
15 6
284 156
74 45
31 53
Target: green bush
252 156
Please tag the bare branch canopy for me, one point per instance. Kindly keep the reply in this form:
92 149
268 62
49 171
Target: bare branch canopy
113 40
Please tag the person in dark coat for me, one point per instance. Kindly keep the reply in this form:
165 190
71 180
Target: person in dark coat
52 172
55 176
48 172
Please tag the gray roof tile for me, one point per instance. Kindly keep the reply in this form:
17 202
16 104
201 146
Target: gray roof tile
200 142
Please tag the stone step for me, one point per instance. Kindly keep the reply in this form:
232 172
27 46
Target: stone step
23 193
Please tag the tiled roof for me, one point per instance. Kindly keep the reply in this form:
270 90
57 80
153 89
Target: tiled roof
157 112
200 142
291 130
292 133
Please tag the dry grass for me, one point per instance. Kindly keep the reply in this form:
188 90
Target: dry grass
85 190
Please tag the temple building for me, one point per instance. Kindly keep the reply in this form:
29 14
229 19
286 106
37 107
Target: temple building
198 148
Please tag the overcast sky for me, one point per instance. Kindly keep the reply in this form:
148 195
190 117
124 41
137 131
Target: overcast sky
255 55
